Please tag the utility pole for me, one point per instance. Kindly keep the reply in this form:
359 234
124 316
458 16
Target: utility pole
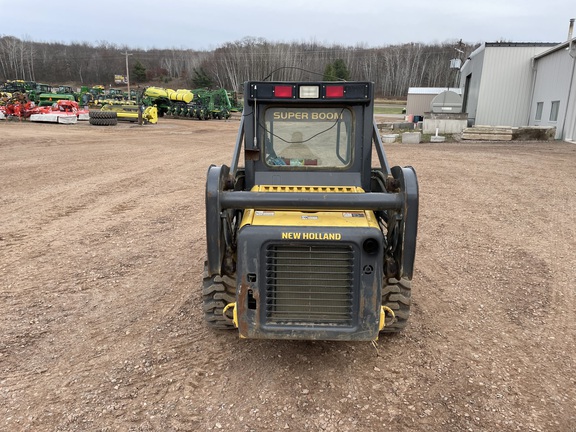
127 73
457 63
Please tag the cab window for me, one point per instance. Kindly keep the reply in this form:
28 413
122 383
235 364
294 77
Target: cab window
308 137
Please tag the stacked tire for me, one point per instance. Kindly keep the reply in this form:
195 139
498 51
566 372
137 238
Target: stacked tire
103 118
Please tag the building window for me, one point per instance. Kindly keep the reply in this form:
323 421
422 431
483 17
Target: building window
539 108
554 111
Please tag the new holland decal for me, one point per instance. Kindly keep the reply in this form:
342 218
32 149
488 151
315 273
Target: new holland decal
311 236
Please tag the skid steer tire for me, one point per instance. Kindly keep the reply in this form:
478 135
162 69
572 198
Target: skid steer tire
103 121
217 292
397 295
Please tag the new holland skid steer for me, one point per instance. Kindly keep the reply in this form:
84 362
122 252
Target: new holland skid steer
307 240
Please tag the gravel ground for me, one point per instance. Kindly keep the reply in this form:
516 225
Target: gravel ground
101 328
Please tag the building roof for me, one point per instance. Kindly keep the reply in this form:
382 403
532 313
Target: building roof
432 90
521 44
557 47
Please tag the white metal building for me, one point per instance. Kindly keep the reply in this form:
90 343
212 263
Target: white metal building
497 81
553 101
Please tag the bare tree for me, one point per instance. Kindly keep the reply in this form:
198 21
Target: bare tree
392 68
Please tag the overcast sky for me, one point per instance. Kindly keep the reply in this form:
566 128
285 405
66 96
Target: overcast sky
207 24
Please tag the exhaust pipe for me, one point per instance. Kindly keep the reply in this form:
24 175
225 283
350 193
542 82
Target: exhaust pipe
571 44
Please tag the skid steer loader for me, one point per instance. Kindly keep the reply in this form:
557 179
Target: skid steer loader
307 240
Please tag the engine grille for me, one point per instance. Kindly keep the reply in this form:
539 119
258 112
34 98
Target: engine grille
310 284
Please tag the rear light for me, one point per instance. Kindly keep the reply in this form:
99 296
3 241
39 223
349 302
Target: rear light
283 91
334 91
309 92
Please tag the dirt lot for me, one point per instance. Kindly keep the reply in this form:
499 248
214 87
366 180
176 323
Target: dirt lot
101 327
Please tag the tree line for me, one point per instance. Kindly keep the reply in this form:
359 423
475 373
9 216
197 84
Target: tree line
393 68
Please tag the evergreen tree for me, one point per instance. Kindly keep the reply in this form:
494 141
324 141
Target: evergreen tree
201 79
340 70
139 72
336 71
329 73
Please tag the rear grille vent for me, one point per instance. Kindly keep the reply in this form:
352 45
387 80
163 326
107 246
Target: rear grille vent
309 284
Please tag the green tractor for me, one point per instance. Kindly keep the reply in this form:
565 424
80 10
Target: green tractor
60 93
88 95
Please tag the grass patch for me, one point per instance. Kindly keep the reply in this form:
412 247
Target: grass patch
388 110
390 101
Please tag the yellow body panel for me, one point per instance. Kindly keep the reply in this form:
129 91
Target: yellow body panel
332 218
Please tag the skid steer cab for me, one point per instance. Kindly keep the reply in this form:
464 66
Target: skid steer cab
307 240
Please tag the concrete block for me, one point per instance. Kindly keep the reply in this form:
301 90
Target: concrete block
411 137
389 138
444 126
437 139
385 126
403 125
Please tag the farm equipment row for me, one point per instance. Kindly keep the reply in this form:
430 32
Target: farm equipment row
61 111
46 95
198 104
201 104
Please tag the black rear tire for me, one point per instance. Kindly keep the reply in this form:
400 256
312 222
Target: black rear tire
103 114
103 121
217 292
103 118
397 295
